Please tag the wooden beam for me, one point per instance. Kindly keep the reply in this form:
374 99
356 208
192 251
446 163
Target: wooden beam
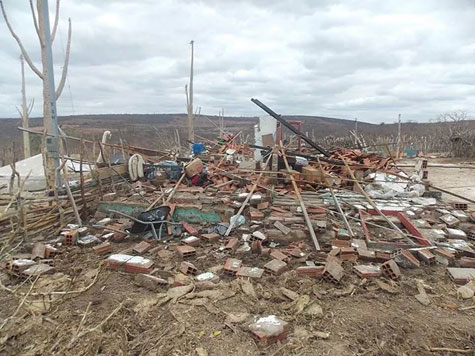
172 193
340 210
299 197
243 205
107 172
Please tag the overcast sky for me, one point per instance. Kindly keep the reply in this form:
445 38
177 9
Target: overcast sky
347 59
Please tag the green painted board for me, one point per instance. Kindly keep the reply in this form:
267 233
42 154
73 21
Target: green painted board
196 216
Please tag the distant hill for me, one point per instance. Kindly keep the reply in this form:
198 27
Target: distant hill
324 125
154 130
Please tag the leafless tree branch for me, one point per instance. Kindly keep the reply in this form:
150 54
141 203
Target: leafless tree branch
59 90
19 111
30 107
23 51
35 21
56 20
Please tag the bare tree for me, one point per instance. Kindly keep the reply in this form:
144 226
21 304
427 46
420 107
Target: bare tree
189 99
457 133
399 140
40 25
25 112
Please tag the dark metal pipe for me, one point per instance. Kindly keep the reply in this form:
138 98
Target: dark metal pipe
290 127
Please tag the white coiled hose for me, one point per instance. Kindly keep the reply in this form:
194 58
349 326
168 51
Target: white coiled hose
135 164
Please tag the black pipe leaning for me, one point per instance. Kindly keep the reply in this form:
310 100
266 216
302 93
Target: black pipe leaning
290 127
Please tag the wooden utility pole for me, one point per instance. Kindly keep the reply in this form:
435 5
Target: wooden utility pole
398 153
189 99
24 113
356 131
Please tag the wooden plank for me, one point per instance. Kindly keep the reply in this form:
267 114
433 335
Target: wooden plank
340 210
302 205
251 191
268 140
108 172
172 193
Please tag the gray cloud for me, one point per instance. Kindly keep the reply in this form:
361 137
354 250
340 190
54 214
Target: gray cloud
367 59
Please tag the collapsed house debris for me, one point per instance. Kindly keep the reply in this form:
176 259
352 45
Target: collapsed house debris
192 224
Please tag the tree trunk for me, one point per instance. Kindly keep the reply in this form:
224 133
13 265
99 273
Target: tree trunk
24 115
50 95
47 117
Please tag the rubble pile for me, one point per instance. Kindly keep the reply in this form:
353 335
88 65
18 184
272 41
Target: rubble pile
221 216
270 235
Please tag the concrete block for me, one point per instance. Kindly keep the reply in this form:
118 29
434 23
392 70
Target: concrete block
188 268
211 238
269 330
406 259
185 251
232 245
461 275
467 262
275 266
232 266
142 247
250 272
333 272
70 237
311 271
367 271
279 255
391 270
103 248
192 241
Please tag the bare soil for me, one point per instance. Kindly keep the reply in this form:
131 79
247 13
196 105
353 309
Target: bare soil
362 317
460 181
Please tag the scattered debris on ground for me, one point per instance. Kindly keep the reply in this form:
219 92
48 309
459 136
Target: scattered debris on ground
305 251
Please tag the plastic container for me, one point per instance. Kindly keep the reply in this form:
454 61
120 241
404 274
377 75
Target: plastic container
171 168
198 148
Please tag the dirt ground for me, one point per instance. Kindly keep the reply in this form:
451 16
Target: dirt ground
360 317
460 181
457 180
